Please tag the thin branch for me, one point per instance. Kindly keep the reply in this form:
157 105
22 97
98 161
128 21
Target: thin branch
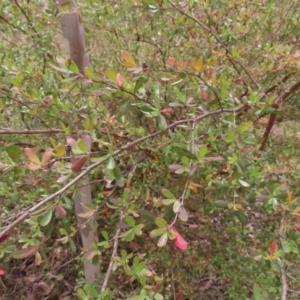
218 40
288 92
294 292
283 278
188 178
111 264
10 24
25 15
34 131
43 201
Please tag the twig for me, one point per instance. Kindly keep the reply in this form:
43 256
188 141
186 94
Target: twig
43 201
289 91
294 292
188 178
25 15
282 269
111 264
218 40
35 131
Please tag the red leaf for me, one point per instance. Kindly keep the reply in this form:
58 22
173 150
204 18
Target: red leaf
46 156
298 217
214 13
30 153
61 211
203 93
119 81
2 272
296 230
179 241
273 247
78 164
167 110
4 237
171 60
70 141
38 259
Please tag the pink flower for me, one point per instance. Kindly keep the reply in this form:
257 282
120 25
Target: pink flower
179 241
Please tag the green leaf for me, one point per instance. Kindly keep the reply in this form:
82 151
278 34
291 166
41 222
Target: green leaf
168 201
139 84
46 218
72 66
128 59
171 234
90 290
105 235
82 146
167 194
162 123
244 183
160 222
14 153
111 74
176 206
81 294
60 69
149 110
157 232
111 163
183 152
16 82
241 217
130 221
202 152
88 72
158 297
221 204
257 292
129 235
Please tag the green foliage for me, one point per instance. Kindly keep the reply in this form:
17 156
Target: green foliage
171 115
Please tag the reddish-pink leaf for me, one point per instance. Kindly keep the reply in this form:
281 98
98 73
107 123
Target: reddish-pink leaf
46 156
163 240
61 211
88 141
78 164
273 247
171 60
179 241
38 259
33 167
30 153
174 167
298 217
167 110
183 215
214 13
296 230
71 141
119 81
203 93
2 272
107 192
4 237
